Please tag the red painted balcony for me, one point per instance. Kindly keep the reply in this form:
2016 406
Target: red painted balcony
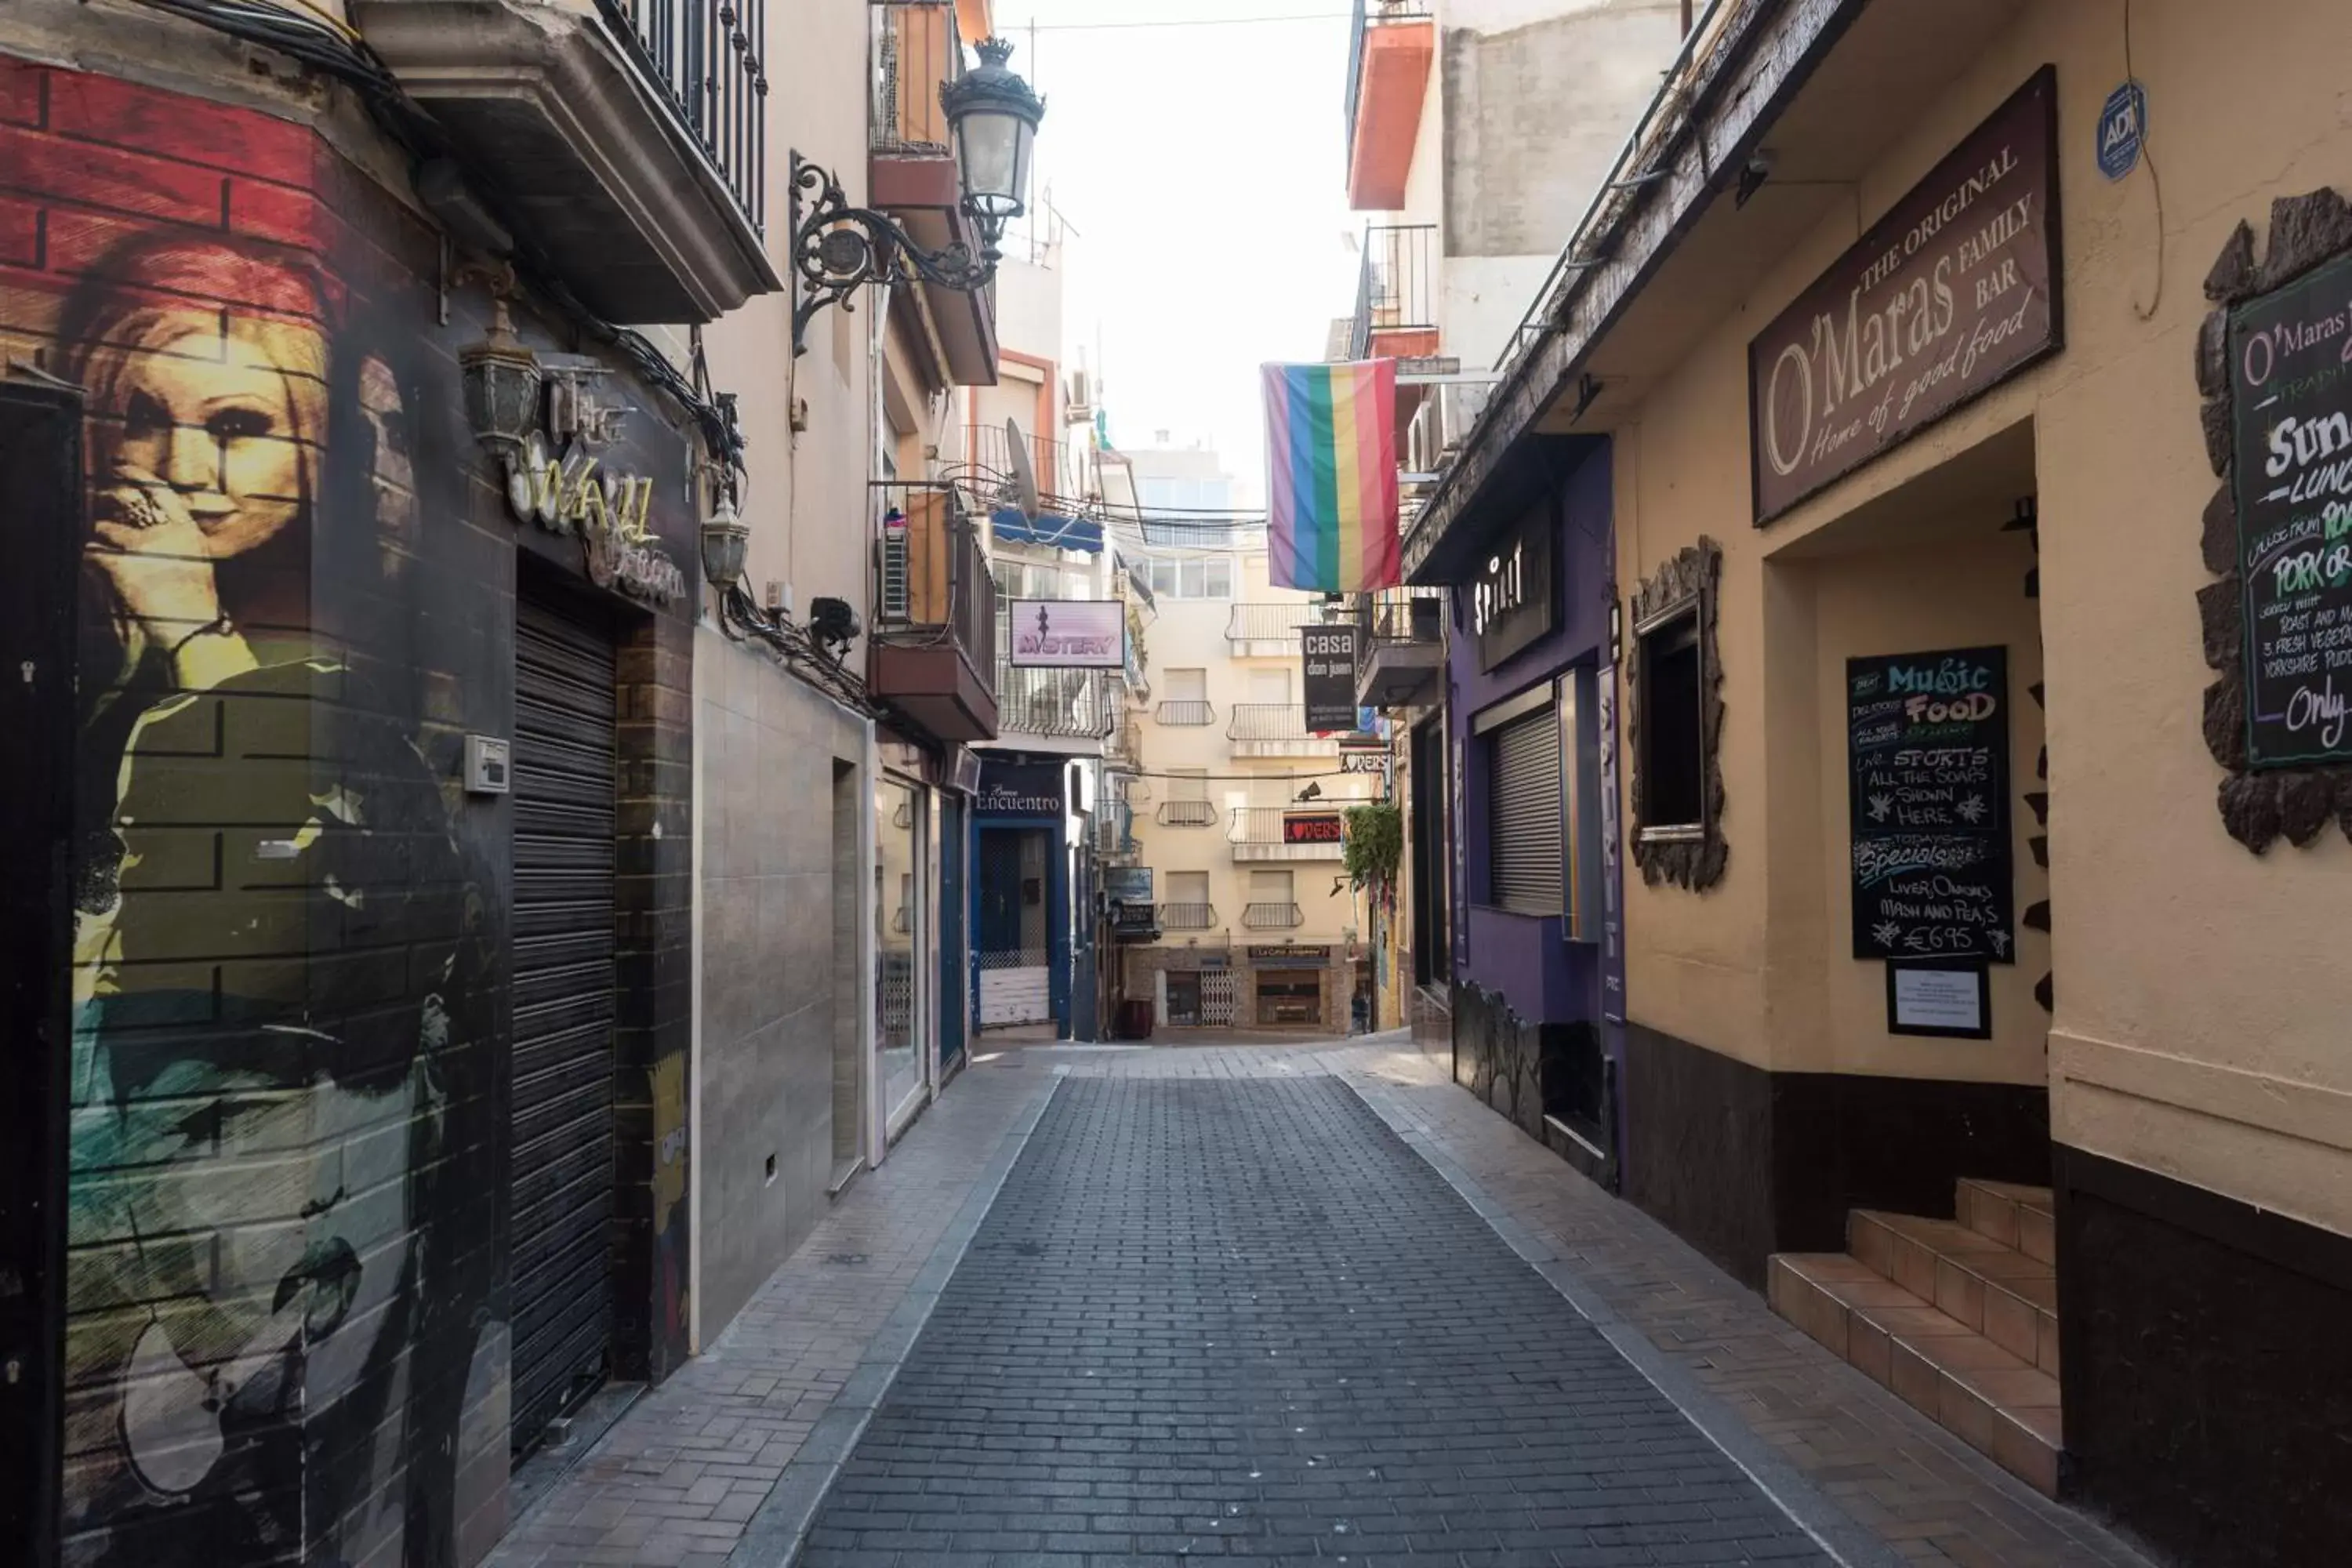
911 172
932 654
1388 76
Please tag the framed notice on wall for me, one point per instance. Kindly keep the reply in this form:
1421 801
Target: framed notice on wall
1947 997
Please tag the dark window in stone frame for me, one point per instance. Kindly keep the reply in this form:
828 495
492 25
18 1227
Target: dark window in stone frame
1689 855
1673 736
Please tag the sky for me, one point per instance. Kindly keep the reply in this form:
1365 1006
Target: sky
1201 167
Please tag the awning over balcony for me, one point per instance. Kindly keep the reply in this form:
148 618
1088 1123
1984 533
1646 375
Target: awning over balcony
1012 526
1394 48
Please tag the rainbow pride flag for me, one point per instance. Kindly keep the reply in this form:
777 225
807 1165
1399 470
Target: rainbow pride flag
1331 476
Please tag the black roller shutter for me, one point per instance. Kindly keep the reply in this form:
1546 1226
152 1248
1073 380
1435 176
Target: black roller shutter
1525 848
562 1107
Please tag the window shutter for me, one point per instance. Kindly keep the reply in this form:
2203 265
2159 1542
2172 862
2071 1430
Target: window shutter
1525 851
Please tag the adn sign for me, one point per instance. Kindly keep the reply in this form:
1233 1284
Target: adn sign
1952 292
1068 634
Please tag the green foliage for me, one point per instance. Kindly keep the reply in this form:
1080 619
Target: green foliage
1375 845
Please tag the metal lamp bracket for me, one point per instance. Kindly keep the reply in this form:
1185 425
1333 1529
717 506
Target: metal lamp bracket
839 250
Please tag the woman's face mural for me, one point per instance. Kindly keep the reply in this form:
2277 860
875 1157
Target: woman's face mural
285 1337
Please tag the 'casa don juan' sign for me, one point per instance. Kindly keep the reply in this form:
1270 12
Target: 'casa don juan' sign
1952 292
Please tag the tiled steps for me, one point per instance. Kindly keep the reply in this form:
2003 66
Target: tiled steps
1957 1317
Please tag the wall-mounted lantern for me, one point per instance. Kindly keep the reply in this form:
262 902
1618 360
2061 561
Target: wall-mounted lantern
502 383
838 249
725 538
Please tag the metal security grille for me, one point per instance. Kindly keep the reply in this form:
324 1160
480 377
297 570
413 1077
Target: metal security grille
1218 992
562 1107
1524 826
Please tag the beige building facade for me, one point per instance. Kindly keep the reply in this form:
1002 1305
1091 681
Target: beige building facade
1238 810
1983 793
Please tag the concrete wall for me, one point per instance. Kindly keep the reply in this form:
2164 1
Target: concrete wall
1537 99
805 487
769 887
2200 1003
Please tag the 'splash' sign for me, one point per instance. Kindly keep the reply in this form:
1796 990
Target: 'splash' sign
1952 292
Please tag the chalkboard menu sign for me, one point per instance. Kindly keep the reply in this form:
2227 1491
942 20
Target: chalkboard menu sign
2291 365
1928 744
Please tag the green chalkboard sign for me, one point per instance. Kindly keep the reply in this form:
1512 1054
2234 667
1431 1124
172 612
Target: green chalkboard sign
2291 374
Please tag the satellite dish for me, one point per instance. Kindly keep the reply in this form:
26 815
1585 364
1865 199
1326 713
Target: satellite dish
1025 477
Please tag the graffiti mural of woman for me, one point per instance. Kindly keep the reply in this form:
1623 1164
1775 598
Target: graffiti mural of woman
285 1338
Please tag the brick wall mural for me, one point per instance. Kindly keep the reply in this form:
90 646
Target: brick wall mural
287 1279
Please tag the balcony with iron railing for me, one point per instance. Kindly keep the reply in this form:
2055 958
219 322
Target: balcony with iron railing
1396 292
1391 46
995 460
1188 917
1303 832
1189 814
1182 712
919 49
1272 917
1399 648
1270 630
1061 704
628 137
1275 730
932 654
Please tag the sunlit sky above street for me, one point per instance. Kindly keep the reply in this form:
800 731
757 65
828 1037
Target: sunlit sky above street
1196 146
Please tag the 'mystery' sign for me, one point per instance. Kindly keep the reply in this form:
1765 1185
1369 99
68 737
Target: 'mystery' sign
1068 634
1952 292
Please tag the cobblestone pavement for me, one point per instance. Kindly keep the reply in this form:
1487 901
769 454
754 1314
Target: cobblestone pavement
1222 1317
1155 1204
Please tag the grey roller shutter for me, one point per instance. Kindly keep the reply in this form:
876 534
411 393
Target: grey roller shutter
562 1182
1525 845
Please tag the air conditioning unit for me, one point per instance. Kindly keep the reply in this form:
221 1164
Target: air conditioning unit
894 589
1079 408
1443 423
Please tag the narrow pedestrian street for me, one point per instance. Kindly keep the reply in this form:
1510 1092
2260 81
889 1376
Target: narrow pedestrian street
1306 1303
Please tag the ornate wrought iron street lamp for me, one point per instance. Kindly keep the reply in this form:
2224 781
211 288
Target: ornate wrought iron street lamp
838 249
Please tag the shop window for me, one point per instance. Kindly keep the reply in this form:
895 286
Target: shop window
1289 996
1526 853
1673 739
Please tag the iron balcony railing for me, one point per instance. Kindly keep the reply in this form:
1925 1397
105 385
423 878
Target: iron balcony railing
1271 622
1115 830
1188 917
917 50
1183 712
1398 617
1064 471
1267 721
1077 704
704 55
1371 14
931 576
1189 814
1272 917
1396 282
1269 823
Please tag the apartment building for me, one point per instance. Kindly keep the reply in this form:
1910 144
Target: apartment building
1477 132
1240 810
457 870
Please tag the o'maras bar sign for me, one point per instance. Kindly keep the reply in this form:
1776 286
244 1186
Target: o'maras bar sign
1952 292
